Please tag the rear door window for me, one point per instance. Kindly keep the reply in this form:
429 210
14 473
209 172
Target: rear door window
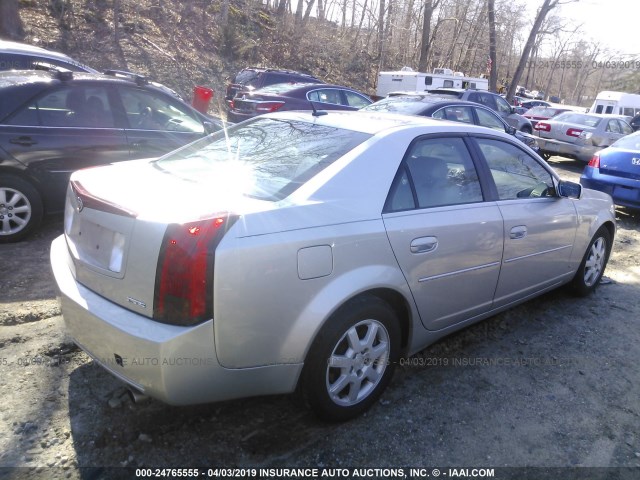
435 172
76 106
489 119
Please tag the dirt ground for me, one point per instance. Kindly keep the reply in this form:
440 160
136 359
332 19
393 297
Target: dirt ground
552 383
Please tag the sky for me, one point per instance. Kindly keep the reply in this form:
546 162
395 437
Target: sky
613 23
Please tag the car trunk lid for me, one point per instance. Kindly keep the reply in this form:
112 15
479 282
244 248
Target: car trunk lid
117 217
621 163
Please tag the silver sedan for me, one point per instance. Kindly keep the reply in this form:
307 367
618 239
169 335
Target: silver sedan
310 252
579 135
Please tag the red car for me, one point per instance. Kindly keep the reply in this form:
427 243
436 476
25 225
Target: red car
297 96
536 114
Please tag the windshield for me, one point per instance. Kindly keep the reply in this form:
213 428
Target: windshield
263 158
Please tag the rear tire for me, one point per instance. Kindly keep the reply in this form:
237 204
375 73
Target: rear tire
352 359
593 264
20 208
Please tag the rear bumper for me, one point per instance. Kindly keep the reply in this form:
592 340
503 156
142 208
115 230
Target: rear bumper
625 192
558 147
177 365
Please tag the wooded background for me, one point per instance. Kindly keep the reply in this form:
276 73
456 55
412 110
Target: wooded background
182 43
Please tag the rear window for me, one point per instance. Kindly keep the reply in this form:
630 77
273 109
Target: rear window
12 96
407 104
630 142
542 112
579 119
281 87
264 158
244 77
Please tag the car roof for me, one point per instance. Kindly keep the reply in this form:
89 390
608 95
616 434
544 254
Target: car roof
19 77
433 98
7 46
374 123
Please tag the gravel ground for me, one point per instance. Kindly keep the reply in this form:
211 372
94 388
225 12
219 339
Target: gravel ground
552 383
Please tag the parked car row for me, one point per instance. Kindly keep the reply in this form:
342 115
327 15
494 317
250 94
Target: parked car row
447 108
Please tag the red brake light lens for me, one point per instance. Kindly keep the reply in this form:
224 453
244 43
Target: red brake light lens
574 132
595 161
543 126
184 276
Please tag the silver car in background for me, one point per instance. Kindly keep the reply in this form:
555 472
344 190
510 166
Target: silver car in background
579 135
310 252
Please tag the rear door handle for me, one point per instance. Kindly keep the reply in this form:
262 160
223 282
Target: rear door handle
424 244
26 141
518 232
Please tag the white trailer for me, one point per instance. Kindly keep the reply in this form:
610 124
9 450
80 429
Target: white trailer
616 103
407 80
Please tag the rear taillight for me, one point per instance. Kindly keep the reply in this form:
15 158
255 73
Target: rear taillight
545 127
232 105
595 161
184 276
267 107
574 132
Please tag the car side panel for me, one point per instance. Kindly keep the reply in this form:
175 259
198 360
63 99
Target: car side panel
539 236
51 154
465 259
354 257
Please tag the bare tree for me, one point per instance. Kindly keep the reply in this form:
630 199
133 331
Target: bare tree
493 68
116 21
429 8
10 22
545 8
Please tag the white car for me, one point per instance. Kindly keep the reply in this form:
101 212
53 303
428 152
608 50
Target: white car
311 251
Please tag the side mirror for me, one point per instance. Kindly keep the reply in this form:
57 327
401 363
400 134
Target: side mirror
513 109
569 189
510 130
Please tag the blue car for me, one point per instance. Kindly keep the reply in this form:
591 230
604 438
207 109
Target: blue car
616 171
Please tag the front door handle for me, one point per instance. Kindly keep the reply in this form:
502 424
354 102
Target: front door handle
518 232
24 140
140 144
424 244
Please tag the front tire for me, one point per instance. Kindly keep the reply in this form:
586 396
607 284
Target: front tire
352 359
593 264
20 208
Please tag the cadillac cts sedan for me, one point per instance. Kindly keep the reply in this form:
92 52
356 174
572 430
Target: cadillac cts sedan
308 253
